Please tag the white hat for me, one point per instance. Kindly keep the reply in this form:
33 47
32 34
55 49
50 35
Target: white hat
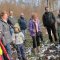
17 26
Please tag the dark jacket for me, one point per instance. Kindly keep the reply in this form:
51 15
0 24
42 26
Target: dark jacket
9 22
58 20
12 20
48 19
22 23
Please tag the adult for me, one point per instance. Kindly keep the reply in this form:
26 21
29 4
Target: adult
49 23
11 21
5 35
58 25
35 32
22 23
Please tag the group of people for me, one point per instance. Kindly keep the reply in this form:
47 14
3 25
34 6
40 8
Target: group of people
12 32
49 22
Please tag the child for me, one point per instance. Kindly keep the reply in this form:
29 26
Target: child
3 50
35 32
18 38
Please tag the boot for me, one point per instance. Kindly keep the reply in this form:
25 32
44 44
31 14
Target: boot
38 49
35 51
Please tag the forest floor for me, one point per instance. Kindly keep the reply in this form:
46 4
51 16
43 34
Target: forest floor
47 51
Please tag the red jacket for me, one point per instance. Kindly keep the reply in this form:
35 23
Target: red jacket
4 50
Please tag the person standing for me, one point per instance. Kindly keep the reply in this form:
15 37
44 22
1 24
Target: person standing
49 23
22 23
5 35
35 32
18 40
58 25
11 21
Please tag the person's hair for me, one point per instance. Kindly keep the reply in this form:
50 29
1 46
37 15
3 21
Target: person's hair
2 13
46 8
33 15
17 28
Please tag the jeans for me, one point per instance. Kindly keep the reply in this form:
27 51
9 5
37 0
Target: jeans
24 32
21 52
8 48
11 30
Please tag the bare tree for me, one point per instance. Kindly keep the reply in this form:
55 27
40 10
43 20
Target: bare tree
27 6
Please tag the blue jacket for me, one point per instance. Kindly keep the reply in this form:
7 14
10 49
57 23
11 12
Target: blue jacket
22 23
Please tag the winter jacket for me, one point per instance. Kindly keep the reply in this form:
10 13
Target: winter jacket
48 19
18 38
32 27
22 23
5 32
11 20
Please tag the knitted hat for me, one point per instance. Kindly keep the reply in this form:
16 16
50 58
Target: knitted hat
17 26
